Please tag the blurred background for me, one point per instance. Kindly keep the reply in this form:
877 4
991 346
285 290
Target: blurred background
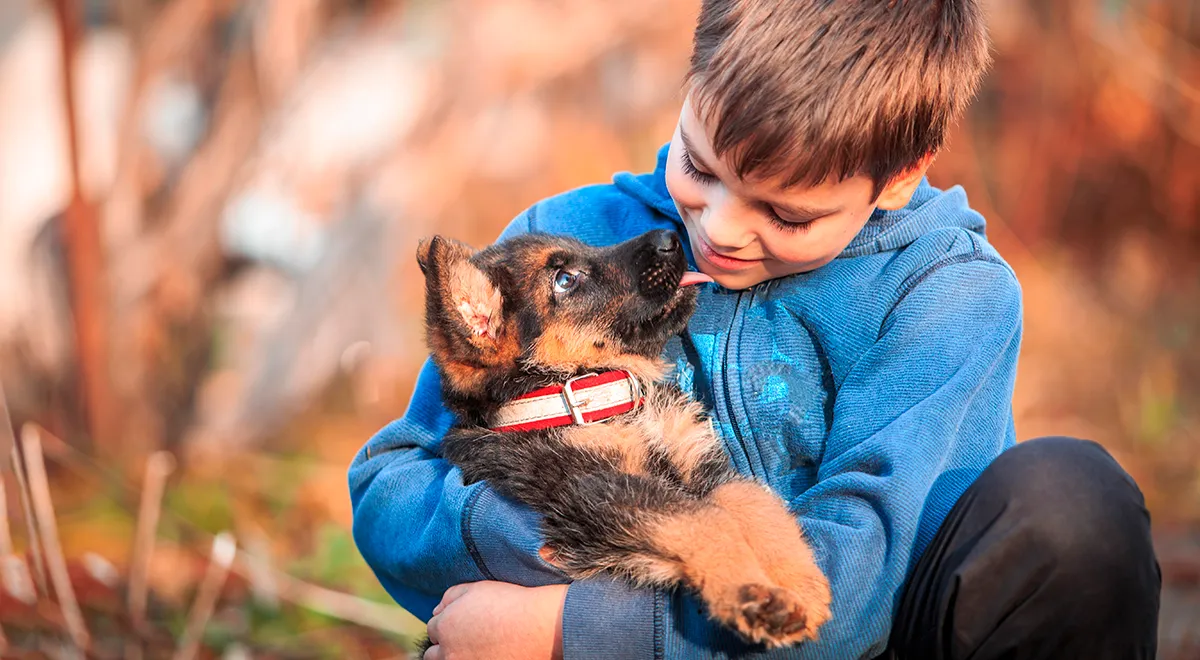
208 296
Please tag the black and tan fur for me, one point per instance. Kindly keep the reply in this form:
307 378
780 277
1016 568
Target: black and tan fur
648 495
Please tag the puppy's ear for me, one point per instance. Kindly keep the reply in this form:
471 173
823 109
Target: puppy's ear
423 254
462 303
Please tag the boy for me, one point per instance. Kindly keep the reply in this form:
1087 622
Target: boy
858 354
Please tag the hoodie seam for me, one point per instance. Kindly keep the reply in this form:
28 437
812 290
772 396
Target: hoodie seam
659 629
915 280
530 217
469 536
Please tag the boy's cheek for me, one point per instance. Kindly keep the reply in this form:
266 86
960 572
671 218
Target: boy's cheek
687 194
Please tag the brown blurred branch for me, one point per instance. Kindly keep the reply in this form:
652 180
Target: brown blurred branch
158 467
85 258
1146 70
169 267
224 550
133 15
39 489
34 540
247 564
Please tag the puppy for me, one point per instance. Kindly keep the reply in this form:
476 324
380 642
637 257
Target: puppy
548 351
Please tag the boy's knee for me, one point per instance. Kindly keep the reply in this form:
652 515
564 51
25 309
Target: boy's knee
1055 553
1080 508
1060 473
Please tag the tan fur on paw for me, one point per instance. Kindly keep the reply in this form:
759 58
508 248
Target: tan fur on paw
776 617
779 545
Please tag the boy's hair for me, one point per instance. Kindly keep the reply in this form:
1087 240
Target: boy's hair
810 90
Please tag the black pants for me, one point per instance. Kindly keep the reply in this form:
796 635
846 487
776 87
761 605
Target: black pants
1047 555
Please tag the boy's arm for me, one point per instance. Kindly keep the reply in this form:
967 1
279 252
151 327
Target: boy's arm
901 437
418 527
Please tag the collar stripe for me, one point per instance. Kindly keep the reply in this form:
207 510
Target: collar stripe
597 397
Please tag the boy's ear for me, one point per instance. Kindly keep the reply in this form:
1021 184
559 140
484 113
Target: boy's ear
461 301
899 191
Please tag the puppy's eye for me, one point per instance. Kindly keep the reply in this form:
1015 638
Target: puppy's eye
565 281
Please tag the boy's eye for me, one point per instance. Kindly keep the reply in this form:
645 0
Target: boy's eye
788 225
565 281
690 169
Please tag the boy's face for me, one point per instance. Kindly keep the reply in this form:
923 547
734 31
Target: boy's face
744 232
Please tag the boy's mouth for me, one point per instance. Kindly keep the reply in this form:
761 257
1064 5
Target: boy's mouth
721 261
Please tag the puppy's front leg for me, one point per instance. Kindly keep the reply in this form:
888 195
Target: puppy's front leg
718 562
778 542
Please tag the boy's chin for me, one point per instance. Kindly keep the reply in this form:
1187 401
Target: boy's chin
755 276
734 281
737 281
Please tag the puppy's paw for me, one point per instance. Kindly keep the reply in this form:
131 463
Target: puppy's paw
812 588
777 617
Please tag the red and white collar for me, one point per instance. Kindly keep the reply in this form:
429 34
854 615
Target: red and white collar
582 400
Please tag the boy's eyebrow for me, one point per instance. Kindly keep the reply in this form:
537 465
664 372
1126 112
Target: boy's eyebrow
808 212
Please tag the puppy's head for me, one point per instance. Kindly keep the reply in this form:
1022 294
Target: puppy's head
537 308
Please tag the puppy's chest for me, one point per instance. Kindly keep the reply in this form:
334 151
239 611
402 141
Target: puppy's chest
666 425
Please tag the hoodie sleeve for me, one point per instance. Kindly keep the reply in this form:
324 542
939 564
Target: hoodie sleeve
418 527
916 420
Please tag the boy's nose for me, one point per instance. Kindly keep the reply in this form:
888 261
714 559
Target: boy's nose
725 227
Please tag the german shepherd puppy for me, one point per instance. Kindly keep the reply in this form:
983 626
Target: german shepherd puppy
642 490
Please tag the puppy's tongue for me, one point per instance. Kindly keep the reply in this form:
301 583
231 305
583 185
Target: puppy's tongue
692 277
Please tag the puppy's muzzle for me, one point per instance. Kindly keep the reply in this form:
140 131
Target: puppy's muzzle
659 264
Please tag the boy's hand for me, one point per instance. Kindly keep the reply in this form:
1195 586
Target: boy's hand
498 621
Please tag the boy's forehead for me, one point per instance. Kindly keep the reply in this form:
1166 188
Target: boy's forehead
696 130
769 181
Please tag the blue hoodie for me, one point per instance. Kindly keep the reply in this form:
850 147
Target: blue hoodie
868 393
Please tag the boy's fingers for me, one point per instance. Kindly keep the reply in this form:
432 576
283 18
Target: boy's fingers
452 594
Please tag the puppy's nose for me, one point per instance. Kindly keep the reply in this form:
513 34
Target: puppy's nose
665 242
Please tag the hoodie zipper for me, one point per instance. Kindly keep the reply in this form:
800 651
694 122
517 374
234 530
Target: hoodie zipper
732 356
